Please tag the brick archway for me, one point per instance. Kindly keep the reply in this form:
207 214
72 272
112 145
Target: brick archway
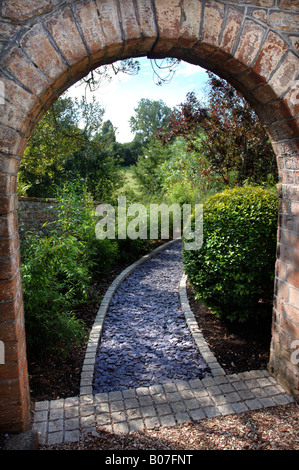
47 45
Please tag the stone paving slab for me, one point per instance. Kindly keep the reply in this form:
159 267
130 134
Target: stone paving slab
145 408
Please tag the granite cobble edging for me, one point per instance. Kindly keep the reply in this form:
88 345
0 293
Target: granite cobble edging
144 408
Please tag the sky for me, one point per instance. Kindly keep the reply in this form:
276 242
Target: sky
121 96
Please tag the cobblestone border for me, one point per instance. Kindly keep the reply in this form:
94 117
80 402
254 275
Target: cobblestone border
208 356
145 408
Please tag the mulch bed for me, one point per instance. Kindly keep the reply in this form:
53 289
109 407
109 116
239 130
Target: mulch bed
238 347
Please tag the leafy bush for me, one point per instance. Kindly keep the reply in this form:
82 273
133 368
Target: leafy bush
57 271
234 269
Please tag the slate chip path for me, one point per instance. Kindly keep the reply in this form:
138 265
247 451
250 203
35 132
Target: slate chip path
145 339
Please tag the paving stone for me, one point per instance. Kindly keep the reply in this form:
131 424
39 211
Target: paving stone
197 414
225 409
72 436
282 399
56 425
121 428
148 411
168 420
267 402
254 404
55 438
134 413
131 403
118 416
211 411
152 422
239 407
182 417
136 425
71 424
178 406
117 406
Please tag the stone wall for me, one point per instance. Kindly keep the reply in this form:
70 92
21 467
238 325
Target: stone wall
33 213
48 45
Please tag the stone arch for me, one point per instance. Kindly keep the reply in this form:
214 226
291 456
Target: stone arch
47 45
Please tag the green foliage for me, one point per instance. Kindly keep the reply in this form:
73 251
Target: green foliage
147 171
70 142
149 117
234 268
57 270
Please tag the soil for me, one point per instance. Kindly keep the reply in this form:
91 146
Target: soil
238 348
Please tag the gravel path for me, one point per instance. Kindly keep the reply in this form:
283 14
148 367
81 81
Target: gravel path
145 338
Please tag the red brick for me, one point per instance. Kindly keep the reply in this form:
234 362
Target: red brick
91 26
284 77
213 19
9 265
11 142
291 329
9 288
63 29
281 270
15 418
250 42
14 390
8 225
168 15
282 21
21 10
190 25
293 277
291 98
21 99
270 55
10 309
292 313
282 290
24 70
280 130
294 297
130 27
11 331
232 27
284 253
42 53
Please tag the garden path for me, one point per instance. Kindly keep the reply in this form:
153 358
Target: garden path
157 390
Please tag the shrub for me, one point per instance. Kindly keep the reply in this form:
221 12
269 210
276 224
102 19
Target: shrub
234 268
57 270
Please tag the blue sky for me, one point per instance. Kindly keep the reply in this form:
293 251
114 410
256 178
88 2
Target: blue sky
122 94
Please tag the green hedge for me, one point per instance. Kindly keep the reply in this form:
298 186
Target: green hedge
234 269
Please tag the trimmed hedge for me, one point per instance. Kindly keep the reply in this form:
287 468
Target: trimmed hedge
234 269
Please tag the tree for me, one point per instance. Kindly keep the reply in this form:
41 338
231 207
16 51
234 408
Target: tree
70 141
149 117
228 137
